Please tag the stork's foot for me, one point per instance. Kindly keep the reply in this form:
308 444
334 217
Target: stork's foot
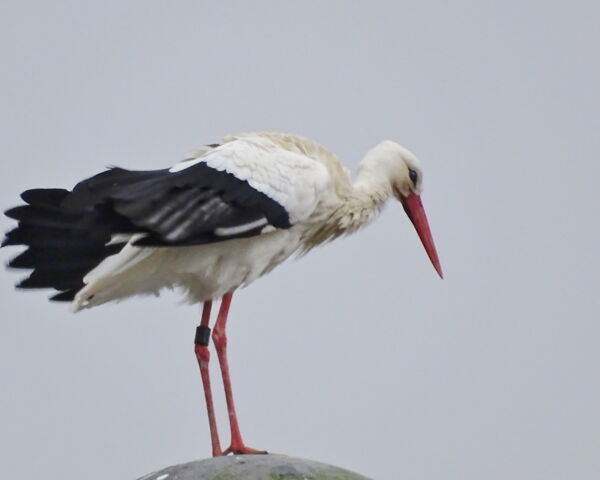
241 449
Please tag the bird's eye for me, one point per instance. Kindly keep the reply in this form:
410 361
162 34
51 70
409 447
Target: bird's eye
413 176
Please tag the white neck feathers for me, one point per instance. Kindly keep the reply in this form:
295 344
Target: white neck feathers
361 203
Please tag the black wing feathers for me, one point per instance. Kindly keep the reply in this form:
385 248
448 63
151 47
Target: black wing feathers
44 197
68 233
62 247
178 208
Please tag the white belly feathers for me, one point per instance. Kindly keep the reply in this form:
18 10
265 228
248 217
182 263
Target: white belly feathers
203 272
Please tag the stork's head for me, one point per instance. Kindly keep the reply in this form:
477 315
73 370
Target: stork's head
402 170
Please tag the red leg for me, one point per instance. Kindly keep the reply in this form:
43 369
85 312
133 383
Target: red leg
220 339
203 356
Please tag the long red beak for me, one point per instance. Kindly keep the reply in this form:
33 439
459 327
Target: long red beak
414 209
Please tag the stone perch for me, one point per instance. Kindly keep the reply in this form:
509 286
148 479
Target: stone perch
253 467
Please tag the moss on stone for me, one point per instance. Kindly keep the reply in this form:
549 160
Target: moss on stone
254 467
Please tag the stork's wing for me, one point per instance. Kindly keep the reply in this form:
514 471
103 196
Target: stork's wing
233 191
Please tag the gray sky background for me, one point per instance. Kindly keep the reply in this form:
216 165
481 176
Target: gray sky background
356 355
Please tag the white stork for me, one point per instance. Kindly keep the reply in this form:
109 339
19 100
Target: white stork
214 222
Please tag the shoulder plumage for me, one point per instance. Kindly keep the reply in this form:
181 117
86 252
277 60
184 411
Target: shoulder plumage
278 169
309 148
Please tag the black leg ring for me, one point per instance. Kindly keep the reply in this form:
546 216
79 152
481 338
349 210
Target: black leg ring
202 335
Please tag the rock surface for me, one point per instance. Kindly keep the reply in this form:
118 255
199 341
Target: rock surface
253 467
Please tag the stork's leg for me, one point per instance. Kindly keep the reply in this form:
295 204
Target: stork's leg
203 356
220 338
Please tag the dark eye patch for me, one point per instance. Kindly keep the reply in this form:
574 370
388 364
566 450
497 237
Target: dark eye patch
413 176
